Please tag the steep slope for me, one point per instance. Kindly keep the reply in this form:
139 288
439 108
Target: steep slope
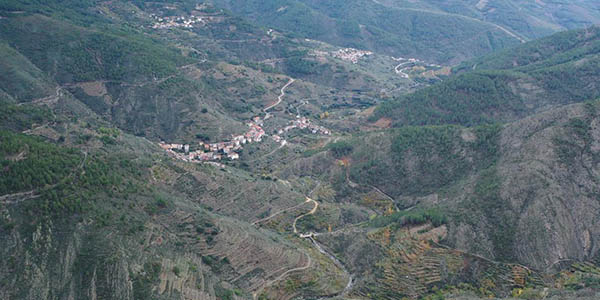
164 81
91 207
525 191
557 70
89 210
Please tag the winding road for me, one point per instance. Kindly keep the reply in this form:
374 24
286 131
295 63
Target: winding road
278 213
45 100
401 71
311 212
280 98
282 276
387 196
408 61
310 236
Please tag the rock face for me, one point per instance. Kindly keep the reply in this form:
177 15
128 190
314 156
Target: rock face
548 175
550 169
55 262
81 260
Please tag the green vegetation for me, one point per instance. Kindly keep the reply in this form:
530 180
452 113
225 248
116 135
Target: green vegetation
90 203
223 293
487 202
369 25
340 149
216 264
143 282
577 139
525 19
66 179
467 99
115 54
299 66
20 78
19 118
109 136
507 86
423 159
30 163
416 216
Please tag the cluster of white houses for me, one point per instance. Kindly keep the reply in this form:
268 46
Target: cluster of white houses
230 149
171 22
304 123
351 54
221 150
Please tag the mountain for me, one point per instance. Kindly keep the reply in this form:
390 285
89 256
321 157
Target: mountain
525 191
426 29
527 19
508 85
93 208
110 187
363 24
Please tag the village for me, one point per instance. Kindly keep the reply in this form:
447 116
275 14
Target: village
206 152
172 22
351 54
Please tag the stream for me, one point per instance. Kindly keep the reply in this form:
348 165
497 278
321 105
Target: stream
339 265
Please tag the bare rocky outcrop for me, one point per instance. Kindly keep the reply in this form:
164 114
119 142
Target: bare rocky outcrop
548 170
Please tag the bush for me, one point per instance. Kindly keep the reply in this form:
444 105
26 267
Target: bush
340 149
177 271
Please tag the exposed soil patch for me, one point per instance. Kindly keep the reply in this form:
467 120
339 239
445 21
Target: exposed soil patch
383 123
368 112
18 157
94 88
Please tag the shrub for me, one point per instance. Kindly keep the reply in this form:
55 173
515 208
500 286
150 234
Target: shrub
341 148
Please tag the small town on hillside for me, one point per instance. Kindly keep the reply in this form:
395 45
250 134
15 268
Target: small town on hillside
197 18
172 22
351 54
230 149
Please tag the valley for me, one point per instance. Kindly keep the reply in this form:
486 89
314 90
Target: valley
299 149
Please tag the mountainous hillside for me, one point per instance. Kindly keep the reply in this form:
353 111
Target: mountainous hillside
424 29
179 149
525 191
364 24
160 85
527 19
509 85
